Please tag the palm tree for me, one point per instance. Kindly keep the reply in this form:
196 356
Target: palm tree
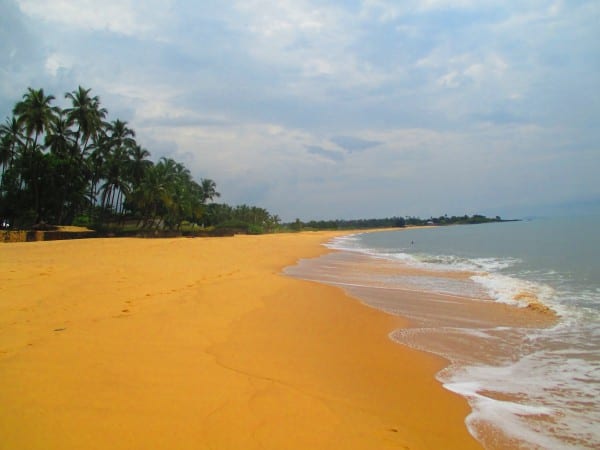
35 113
120 134
87 114
116 180
196 204
11 139
170 174
67 164
95 167
153 196
60 138
182 191
139 163
116 147
167 195
11 144
208 190
273 222
85 161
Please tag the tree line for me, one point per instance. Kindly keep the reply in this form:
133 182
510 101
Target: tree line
340 224
72 166
388 222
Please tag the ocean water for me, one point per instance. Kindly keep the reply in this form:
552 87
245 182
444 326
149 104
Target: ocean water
530 384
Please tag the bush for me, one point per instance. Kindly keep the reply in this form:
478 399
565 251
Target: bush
255 229
233 224
82 221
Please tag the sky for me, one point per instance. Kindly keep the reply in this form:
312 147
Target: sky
337 108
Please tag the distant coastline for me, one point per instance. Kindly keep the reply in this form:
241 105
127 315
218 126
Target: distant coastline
392 222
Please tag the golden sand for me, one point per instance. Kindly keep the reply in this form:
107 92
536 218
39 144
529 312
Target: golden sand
204 344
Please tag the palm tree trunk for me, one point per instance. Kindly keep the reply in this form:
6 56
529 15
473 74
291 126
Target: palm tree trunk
112 199
105 196
92 199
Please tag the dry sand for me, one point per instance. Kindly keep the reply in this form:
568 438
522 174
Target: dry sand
203 344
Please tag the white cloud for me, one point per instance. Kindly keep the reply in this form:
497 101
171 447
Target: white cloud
491 68
276 93
451 79
318 67
432 5
382 10
314 41
391 10
283 20
117 16
56 62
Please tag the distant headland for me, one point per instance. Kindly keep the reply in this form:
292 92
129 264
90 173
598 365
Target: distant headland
391 222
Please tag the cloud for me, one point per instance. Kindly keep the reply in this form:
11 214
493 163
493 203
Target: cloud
20 57
500 117
327 154
183 120
422 107
353 144
115 16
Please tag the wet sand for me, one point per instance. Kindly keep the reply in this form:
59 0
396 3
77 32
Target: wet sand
466 331
204 344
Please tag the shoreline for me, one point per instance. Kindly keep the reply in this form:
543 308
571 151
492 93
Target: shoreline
204 343
441 324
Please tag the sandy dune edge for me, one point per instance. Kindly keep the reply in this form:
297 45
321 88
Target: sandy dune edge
203 344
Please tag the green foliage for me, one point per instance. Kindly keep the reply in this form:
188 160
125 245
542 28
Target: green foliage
72 166
458 220
249 219
233 224
82 220
390 222
297 225
255 229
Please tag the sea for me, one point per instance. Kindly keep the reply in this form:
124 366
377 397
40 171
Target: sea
532 379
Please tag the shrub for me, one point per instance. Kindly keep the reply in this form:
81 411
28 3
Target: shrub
82 221
255 229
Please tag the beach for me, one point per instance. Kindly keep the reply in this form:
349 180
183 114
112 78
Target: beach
205 343
513 307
